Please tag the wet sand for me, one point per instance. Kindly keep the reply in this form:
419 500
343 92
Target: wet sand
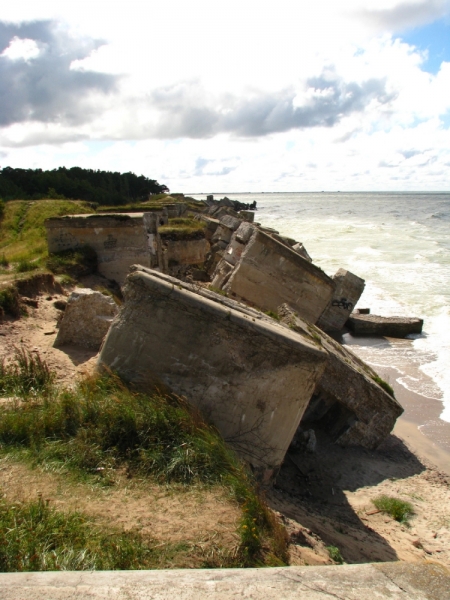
420 426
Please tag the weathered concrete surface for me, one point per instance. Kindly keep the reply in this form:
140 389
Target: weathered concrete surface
87 318
119 240
184 252
395 581
347 401
349 288
366 324
267 273
250 376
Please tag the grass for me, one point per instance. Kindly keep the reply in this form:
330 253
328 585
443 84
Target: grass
272 314
35 537
27 374
9 301
182 229
400 510
22 230
384 384
24 266
101 425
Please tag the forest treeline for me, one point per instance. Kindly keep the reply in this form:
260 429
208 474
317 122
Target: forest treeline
102 187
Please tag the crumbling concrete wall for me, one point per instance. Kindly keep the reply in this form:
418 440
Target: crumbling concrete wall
348 402
349 288
250 376
87 319
265 273
119 240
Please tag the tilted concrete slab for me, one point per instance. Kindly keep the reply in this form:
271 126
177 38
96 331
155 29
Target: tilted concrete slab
263 272
393 581
250 376
366 324
349 288
348 402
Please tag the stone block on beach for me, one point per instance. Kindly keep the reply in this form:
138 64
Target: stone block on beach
268 273
374 325
348 403
87 318
250 376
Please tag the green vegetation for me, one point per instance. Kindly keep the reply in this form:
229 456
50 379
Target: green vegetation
101 426
335 554
9 301
22 230
35 537
27 374
183 229
102 187
272 314
396 508
384 384
75 263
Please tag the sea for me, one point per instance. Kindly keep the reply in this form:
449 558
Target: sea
400 244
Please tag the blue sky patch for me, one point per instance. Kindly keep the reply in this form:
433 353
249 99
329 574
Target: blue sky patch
435 38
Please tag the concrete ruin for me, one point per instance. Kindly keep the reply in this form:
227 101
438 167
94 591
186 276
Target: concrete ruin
348 401
121 240
263 272
348 290
250 376
374 325
87 319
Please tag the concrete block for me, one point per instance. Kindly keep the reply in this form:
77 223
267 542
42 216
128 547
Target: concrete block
347 402
268 274
398 327
250 376
87 318
349 288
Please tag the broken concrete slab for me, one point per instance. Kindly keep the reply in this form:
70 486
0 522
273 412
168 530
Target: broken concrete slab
399 327
87 318
250 376
349 288
348 401
268 273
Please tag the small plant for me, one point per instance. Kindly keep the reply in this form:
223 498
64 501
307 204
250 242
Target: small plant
24 265
217 290
384 384
272 314
9 301
26 374
3 261
400 510
335 554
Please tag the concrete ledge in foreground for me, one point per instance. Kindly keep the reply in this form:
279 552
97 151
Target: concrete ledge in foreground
396 581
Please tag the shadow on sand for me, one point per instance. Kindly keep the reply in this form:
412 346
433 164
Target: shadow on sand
310 490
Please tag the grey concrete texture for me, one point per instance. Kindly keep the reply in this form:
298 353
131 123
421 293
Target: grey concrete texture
268 273
87 319
250 376
367 324
349 288
118 240
393 581
347 401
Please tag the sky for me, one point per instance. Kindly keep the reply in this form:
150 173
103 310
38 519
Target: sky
231 96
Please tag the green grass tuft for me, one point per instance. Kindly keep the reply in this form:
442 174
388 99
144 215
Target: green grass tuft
75 263
34 537
384 384
27 374
399 510
9 301
335 554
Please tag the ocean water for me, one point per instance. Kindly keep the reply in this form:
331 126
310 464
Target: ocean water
400 244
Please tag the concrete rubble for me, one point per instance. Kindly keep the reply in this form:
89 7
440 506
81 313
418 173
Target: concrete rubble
348 290
398 327
87 319
261 271
250 376
347 402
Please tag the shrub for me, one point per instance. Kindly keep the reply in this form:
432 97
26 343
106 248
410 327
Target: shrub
396 508
75 262
9 301
335 554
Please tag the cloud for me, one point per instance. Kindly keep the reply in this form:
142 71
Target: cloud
324 102
405 14
37 82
